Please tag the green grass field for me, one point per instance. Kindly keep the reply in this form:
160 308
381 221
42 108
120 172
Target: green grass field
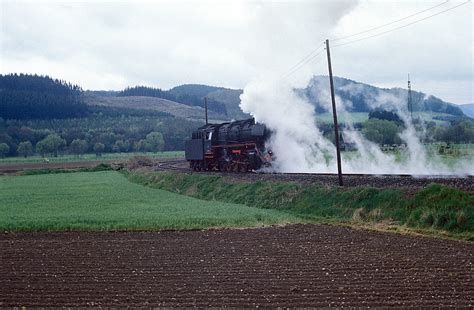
435 209
71 158
108 201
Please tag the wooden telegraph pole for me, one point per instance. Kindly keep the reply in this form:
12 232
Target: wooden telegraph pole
205 107
410 101
334 114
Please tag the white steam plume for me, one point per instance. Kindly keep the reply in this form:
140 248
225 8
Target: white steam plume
298 144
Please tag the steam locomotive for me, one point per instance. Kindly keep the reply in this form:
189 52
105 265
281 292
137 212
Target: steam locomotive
234 146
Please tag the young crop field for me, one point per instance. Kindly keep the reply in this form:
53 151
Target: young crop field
86 157
433 209
108 201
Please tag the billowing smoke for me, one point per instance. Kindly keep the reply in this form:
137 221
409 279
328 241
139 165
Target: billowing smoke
301 147
296 139
298 144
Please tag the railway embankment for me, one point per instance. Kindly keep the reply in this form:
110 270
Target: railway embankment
436 209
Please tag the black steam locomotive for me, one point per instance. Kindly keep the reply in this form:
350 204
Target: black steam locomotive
235 146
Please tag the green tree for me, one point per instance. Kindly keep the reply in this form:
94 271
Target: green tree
154 142
25 148
78 146
50 145
4 149
459 131
119 146
99 149
140 146
381 131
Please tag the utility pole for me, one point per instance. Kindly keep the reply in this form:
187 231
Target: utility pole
205 108
334 114
410 102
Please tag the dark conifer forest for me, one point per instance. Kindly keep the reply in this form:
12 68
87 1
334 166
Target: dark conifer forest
25 96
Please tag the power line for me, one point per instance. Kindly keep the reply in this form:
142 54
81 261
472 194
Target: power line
309 61
388 24
305 59
301 64
403 26
318 51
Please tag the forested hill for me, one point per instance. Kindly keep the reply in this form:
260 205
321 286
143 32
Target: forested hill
25 96
191 95
41 97
362 96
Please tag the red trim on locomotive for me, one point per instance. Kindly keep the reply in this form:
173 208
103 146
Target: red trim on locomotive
240 161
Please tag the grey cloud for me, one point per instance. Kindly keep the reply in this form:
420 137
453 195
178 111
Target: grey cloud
164 43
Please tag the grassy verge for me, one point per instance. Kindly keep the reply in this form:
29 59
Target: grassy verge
87 157
434 210
108 201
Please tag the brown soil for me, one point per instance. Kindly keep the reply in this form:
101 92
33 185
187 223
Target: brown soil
293 266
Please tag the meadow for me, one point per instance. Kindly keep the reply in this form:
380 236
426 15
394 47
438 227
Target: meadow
434 210
108 201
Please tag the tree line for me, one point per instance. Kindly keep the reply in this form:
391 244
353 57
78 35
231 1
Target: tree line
98 133
384 128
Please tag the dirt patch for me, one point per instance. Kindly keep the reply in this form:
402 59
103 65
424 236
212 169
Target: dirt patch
293 266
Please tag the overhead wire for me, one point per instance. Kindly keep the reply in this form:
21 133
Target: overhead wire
316 52
403 26
391 23
318 60
303 61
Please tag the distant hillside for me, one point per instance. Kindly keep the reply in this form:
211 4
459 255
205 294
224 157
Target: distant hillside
468 109
153 104
362 96
197 90
24 96
192 95
30 97
231 99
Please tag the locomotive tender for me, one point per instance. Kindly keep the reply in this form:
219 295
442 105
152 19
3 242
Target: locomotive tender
233 146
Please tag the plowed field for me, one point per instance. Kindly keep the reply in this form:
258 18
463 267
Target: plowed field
295 266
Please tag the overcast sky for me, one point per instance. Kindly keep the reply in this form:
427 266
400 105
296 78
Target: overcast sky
114 44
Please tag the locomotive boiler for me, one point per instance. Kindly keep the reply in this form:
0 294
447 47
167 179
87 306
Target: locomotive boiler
233 146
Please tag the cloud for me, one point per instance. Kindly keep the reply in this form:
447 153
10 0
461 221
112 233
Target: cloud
109 45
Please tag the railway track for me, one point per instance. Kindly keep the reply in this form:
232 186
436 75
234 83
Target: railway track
350 179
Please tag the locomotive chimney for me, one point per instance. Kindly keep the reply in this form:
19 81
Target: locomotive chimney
205 108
